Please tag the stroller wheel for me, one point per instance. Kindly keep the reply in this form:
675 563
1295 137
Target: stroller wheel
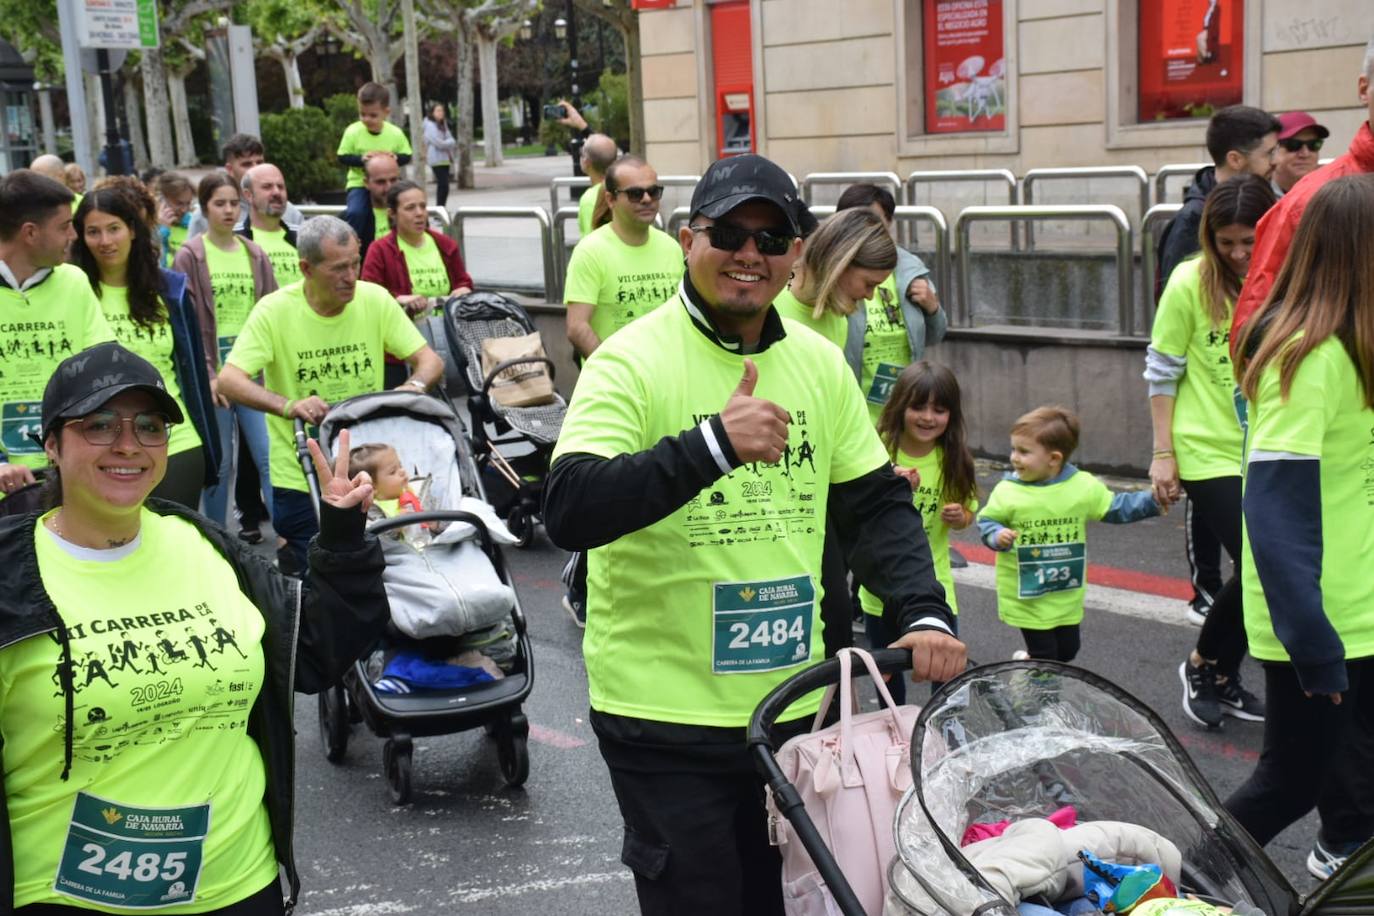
334 726
512 750
521 524
396 760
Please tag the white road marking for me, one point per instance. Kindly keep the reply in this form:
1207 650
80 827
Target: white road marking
1099 597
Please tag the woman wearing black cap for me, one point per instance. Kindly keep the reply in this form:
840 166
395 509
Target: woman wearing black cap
148 667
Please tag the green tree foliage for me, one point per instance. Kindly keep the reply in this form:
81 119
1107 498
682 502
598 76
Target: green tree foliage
302 141
343 111
612 103
31 26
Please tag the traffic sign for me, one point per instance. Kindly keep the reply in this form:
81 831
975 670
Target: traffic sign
130 24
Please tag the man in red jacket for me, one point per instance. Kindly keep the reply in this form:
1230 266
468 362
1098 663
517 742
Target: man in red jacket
1275 231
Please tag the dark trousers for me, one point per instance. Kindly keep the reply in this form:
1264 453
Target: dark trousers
184 480
1060 644
293 515
1216 502
1203 549
880 636
266 902
837 607
696 834
440 183
248 488
1315 754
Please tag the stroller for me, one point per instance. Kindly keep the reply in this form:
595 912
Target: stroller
431 436
469 320
1021 739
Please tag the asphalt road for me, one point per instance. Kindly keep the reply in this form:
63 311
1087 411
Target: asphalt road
466 844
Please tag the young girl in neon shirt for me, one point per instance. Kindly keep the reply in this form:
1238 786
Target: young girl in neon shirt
922 426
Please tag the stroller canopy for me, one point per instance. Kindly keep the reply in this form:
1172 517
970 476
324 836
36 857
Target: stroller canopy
1022 739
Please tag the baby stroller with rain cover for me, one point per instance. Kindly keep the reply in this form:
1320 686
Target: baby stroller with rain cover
468 321
1021 739
430 436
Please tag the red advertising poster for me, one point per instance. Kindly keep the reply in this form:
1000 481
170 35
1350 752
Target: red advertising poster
966 86
1191 56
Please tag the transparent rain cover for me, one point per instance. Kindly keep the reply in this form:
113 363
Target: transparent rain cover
1022 739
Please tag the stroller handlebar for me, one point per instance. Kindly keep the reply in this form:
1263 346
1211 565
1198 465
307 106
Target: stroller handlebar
434 515
518 361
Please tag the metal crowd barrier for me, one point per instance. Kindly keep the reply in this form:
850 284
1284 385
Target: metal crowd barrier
582 181
309 210
1156 218
561 216
1173 171
460 215
1125 249
1032 176
982 176
883 179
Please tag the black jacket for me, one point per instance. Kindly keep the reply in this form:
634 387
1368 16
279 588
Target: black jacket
314 632
1180 238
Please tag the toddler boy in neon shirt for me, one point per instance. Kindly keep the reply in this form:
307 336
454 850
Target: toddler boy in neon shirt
1036 519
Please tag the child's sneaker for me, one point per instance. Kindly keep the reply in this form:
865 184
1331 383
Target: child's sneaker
1238 702
1197 611
577 609
1200 694
1323 862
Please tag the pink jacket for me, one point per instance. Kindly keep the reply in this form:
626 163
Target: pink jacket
190 260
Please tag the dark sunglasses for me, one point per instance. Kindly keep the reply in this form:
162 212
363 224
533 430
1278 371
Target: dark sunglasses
655 191
103 427
1293 144
726 237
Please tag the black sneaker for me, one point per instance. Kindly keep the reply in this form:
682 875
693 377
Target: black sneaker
1323 862
1200 694
576 609
1238 702
250 534
1197 611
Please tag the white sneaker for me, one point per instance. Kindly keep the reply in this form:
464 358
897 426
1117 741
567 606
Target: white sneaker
1020 655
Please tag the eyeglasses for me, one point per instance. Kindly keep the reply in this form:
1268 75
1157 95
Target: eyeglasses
1292 144
655 191
103 427
726 237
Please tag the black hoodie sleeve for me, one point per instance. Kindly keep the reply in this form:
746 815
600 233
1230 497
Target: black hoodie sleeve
885 546
589 501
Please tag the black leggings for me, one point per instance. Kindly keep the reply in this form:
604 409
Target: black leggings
1316 754
266 902
1060 644
184 480
1217 502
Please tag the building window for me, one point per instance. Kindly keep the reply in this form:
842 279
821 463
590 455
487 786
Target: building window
965 66
1191 58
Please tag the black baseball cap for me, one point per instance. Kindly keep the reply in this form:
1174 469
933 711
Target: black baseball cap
740 179
88 380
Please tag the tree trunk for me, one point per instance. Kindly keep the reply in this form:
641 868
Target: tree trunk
157 108
290 65
49 125
635 73
133 113
95 115
414 101
181 118
491 99
462 116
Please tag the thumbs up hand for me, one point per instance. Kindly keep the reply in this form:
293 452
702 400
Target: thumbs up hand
757 429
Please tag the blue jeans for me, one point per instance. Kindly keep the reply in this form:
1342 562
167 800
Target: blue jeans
293 516
234 421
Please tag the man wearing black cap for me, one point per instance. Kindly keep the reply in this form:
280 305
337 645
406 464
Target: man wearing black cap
703 448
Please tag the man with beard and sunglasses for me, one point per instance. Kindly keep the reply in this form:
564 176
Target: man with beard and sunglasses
704 447
625 268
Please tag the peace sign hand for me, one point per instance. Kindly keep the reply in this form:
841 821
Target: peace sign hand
335 486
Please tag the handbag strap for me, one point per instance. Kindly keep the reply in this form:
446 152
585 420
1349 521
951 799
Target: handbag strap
847 701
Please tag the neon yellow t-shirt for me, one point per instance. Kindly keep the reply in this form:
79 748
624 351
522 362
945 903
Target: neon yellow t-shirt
622 281
301 353
357 140
428 275
231 283
155 345
887 349
40 327
929 499
164 679
694 618
834 328
586 209
381 223
1324 417
1041 579
286 261
76 201
1207 435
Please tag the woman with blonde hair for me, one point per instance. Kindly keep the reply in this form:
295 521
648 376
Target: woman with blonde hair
1306 368
841 265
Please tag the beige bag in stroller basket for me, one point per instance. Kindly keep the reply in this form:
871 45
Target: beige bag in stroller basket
851 777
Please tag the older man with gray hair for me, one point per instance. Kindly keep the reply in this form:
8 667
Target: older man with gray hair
318 342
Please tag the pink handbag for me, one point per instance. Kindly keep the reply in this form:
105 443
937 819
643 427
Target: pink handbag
850 776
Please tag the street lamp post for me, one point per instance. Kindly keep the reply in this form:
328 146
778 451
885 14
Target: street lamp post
569 27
